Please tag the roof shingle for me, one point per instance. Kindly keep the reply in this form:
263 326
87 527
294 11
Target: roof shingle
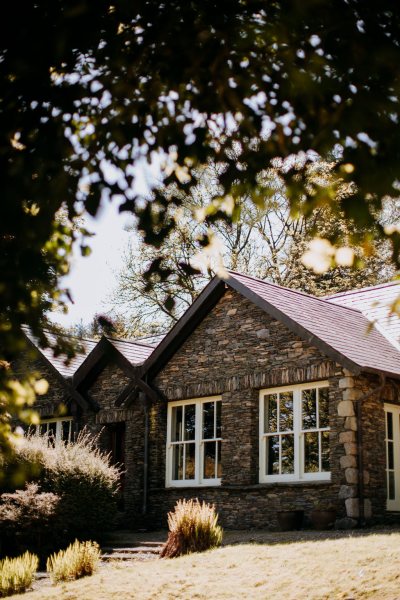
343 331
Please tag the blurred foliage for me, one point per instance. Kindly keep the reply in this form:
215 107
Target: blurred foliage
88 88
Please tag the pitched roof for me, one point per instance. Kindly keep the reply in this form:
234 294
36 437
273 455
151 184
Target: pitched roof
345 334
375 303
58 362
342 332
135 352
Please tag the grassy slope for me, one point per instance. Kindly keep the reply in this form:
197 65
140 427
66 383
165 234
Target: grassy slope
359 567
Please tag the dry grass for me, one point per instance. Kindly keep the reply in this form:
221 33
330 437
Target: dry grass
365 566
193 527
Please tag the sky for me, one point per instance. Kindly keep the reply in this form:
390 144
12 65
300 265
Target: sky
92 278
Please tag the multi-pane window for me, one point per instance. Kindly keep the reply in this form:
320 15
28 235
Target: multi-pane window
194 442
56 429
392 442
294 433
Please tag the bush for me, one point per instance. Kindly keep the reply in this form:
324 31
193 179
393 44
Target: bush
16 574
193 527
78 560
26 518
83 479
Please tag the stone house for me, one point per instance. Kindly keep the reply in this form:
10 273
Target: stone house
259 399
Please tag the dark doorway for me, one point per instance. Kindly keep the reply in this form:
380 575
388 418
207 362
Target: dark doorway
114 435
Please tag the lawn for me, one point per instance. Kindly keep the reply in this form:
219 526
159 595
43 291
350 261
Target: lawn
359 566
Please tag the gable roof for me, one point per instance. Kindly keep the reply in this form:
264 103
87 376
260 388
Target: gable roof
129 354
58 362
342 333
53 362
375 303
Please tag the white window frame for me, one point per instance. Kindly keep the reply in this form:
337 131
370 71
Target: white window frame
59 424
394 504
198 480
299 475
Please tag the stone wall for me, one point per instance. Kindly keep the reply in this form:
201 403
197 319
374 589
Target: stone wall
47 405
236 351
105 389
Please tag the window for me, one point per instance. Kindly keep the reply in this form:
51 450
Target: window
58 429
392 441
294 433
194 442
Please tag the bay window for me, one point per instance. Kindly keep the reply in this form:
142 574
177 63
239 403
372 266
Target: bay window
294 433
194 442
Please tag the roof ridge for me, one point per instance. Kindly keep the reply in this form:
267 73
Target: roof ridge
68 335
281 287
364 289
128 341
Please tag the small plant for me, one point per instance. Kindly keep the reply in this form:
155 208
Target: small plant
193 527
16 574
78 560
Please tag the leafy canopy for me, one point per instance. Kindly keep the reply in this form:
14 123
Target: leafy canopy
87 88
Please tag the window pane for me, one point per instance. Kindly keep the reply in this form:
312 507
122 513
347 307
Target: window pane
176 434
66 431
190 461
323 403
209 460
286 411
52 429
208 420
219 406
311 463
391 485
287 454
271 413
272 461
389 421
177 461
43 428
190 421
219 464
390 456
309 408
325 451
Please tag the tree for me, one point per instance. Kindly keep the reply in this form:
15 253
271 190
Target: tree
88 88
266 243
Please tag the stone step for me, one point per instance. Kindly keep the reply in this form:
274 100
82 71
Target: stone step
154 549
132 544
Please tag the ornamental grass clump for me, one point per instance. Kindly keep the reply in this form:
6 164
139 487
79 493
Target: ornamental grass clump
78 560
17 574
193 527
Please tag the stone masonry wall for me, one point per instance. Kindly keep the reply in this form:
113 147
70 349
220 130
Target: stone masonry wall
105 390
236 351
49 404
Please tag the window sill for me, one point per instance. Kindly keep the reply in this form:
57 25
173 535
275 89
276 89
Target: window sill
249 487
187 485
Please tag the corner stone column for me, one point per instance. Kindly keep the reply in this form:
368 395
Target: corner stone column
349 461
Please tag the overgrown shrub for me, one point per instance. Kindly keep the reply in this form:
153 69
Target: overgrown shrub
78 560
193 527
83 479
26 519
16 574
